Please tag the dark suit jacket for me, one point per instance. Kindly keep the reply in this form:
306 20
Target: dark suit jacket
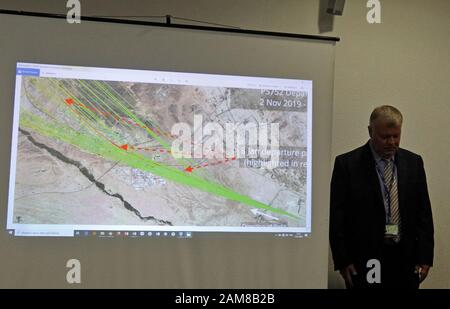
357 213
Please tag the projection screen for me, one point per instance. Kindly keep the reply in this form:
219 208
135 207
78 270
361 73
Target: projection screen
180 158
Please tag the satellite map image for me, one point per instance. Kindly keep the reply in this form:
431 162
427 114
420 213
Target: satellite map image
101 152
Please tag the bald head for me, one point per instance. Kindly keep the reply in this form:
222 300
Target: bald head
385 130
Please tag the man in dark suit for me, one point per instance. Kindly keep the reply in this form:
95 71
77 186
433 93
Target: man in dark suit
380 210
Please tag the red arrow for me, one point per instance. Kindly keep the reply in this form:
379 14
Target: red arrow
69 101
188 169
124 147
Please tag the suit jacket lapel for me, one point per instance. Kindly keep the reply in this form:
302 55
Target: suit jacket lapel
402 177
374 183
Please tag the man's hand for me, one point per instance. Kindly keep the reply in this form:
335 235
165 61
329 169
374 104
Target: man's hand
422 271
347 273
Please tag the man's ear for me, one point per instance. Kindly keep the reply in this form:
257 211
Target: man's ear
370 131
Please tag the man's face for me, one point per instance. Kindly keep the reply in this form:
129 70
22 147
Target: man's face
385 138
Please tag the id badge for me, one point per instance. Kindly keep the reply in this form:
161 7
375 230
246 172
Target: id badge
392 229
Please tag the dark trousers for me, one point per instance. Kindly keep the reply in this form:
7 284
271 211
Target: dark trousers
395 273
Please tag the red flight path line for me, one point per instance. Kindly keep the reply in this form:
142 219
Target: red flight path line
70 103
187 169
190 168
126 147
122 119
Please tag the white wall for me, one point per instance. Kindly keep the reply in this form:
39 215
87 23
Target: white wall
404 61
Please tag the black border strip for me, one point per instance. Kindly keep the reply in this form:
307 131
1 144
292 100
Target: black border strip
179 26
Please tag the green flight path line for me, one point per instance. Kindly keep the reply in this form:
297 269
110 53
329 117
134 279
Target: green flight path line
120 103
98 146
100 93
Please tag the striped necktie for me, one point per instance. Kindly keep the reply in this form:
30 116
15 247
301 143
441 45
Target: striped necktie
391 184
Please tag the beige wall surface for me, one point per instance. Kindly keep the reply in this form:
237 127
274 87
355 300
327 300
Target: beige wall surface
404 61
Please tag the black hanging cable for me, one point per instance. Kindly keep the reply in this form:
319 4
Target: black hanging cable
205 22
127 16
166 17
